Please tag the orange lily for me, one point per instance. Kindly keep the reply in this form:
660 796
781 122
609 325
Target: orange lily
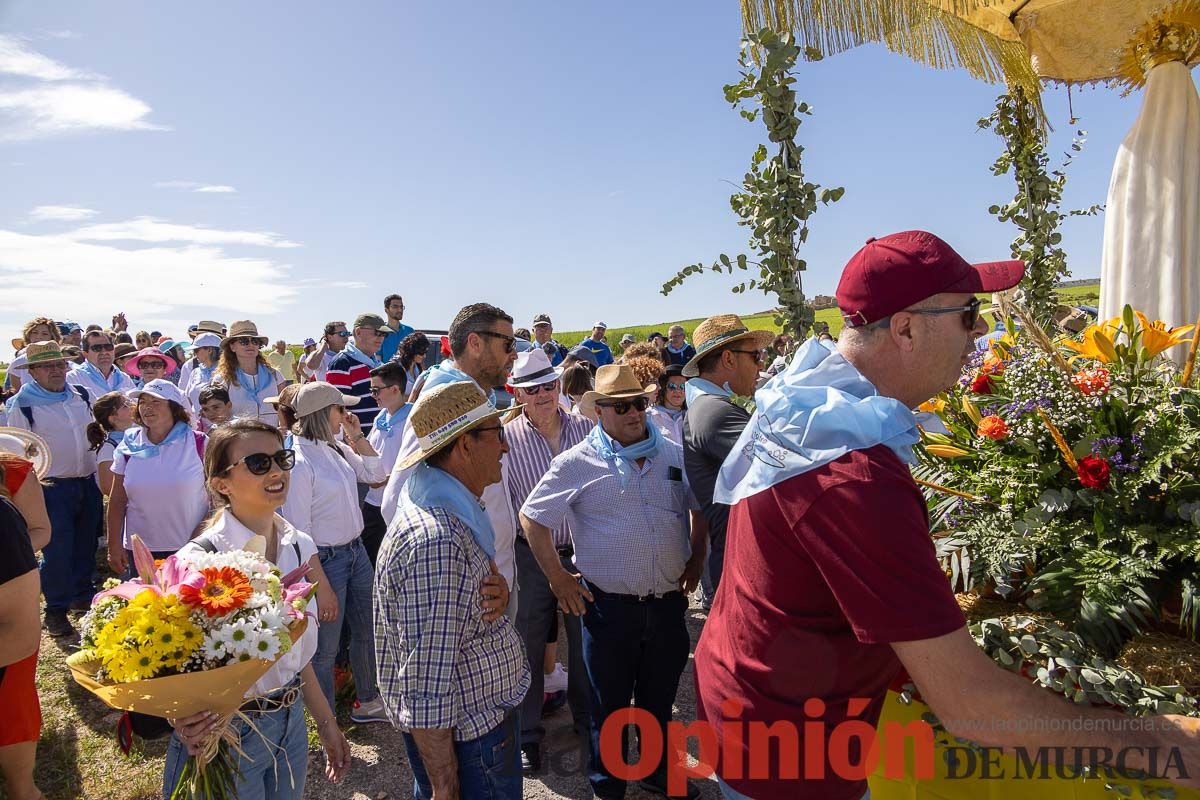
1097 341
1157 337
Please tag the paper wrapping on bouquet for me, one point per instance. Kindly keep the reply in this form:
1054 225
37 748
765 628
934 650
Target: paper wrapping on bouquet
222 690
1009 781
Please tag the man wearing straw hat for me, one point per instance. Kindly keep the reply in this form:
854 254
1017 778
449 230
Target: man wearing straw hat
725 362
450 675
624 494
60 413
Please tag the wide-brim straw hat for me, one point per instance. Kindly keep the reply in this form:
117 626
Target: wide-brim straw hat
131 366
718 331
615 382
444 413
244 327
29 446
43 353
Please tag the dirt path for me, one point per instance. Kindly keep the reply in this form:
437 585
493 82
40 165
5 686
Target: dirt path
380 770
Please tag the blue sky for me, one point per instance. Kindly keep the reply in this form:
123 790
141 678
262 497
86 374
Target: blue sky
295 162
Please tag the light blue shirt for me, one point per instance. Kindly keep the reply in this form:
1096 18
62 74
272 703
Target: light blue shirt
632 542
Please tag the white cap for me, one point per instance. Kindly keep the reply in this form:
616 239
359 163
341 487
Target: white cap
207 340
162 389
600 325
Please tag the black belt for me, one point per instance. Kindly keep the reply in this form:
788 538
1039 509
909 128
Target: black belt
280 698
634 598
566 551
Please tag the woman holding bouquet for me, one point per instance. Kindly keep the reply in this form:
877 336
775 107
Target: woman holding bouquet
248 471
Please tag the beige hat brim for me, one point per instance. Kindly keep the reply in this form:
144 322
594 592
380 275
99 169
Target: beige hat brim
692 368
41 457
420 455
587 403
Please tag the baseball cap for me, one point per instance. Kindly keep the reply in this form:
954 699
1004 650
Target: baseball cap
893 272
317 395
600 325
371 321
542 319
581 353
310 342
163 390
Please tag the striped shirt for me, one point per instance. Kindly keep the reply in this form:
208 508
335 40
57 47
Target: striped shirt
353 377
528 459
439 664
628 541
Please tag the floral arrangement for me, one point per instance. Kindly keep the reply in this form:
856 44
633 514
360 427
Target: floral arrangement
191 633
1063 476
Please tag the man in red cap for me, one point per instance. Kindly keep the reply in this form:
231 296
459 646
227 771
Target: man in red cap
831 583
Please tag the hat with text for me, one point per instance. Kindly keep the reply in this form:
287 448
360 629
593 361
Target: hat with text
894 272
163 389
444 413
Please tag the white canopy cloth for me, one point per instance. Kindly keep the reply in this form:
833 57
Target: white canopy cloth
1151 257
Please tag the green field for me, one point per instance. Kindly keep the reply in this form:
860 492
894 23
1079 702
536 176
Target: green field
1085 295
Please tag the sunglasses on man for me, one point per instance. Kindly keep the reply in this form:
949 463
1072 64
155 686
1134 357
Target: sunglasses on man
552 386
260 463
102 348
510 342
622 407
970 313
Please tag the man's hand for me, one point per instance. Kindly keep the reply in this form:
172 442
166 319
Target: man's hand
494 594
570 592
691 574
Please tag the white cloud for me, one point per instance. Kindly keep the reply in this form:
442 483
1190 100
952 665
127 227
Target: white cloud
194 186
161 285
63 100
149 229
62 34
61 214
322 283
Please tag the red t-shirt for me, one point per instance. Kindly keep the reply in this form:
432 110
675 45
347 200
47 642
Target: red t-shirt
822 571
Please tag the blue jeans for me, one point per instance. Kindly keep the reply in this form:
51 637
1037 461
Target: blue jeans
348 570
489 768
69 562
276 760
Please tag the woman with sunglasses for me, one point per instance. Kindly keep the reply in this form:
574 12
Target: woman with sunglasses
158 478
323 500
670 404
247 471
246 375
149 364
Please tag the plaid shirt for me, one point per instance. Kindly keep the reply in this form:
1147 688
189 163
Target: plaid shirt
439 664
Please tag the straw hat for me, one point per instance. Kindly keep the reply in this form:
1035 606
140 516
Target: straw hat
717 332
43 353
446 412
615 382
244 327
27 445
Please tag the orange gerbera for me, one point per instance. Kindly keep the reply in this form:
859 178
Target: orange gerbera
217 590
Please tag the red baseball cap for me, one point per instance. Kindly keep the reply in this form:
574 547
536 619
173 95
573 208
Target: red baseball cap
894 272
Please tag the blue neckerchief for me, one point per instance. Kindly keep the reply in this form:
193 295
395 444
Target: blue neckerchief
699 386
623 458
430 487
814 412
361 357
205 374
261 380
112 382
32 395
440 373
135 444
115 437
390 423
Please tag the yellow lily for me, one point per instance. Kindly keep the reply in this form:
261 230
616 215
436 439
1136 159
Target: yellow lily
946 451
971 411
1157 337
1097 342
935 406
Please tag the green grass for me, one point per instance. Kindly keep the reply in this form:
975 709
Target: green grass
1085 295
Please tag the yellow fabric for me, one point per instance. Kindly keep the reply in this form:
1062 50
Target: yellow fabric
283 363
976 788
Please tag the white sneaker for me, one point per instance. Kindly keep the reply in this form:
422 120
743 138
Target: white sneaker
370 711
556 681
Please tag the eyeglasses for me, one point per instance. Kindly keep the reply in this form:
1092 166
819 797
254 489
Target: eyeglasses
622 407
758 354
244 340
674 386
970 312
499 431
552 386
260 463
375 390
143 364
101 348
510 342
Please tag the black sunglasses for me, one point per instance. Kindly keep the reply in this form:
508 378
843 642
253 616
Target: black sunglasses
552 386
758 354
622 407
260 463
144 364
244 340
970 312
375 390
510 342
101 348
498 428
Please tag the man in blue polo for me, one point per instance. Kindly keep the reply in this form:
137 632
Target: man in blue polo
393 306
596 344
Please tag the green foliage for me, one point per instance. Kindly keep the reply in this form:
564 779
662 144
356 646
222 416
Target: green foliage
1035 208
776 200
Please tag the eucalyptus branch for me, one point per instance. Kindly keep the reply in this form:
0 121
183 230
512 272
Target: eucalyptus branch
775 200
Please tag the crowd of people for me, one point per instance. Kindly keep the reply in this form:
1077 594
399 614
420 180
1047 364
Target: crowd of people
454 495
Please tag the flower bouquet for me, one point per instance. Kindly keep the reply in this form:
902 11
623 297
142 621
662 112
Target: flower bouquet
191 633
